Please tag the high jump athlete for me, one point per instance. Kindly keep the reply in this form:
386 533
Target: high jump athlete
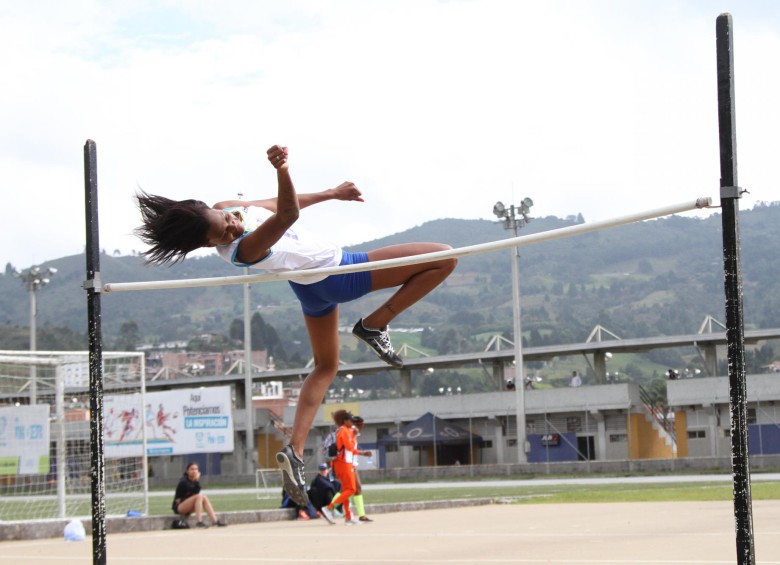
263 234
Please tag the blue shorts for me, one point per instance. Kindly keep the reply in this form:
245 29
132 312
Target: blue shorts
321 298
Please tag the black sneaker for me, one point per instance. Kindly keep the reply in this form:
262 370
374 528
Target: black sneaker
293 475
201 525
379 342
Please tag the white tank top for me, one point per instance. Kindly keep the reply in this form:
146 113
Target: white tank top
296 250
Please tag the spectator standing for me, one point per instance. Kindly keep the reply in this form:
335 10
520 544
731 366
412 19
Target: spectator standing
357 498
343 466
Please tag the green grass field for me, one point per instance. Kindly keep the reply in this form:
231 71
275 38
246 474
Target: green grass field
542 494
13 508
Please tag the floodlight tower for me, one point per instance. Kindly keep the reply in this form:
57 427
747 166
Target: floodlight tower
34 279
249 407
514 218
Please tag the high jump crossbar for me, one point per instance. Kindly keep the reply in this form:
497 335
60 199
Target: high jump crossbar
520 241
12 356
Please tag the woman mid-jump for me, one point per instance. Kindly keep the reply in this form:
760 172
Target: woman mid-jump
263 234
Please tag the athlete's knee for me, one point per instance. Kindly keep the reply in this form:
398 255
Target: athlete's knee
326 366
448 265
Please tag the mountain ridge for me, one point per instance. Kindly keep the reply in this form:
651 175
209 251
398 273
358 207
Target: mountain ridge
655 277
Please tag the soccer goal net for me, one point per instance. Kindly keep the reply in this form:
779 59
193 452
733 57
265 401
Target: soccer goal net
268 483
45 434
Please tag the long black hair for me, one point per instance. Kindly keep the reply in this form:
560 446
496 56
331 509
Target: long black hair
172 228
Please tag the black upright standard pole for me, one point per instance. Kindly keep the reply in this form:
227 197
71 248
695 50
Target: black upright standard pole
735 336
97 469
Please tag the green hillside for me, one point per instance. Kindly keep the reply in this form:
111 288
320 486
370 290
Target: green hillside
659 277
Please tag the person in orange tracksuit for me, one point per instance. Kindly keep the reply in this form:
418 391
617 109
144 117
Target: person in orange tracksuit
343 467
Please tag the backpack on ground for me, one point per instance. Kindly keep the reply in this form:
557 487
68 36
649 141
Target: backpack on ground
180 524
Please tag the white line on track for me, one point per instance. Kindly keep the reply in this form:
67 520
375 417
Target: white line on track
379 561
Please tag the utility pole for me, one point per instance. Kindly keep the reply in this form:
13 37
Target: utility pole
511 221
34 279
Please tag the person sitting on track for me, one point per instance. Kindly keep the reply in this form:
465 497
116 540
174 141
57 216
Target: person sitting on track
262 234
304 512
189 498
323 489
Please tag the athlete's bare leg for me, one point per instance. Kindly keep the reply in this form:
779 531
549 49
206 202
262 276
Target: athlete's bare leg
415 280
324 338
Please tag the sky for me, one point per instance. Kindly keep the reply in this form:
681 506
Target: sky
434 109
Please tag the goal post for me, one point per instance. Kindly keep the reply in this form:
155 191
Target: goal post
267 482
45 448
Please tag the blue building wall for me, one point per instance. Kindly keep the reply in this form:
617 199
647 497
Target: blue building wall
763 439
543 451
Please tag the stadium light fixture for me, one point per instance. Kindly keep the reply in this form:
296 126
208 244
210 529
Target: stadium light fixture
34 279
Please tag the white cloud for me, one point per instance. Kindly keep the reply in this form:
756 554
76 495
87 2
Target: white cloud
435 109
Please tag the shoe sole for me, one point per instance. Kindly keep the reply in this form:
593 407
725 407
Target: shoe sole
289 484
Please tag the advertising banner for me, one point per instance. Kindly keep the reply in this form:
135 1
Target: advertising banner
177 422
24 440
